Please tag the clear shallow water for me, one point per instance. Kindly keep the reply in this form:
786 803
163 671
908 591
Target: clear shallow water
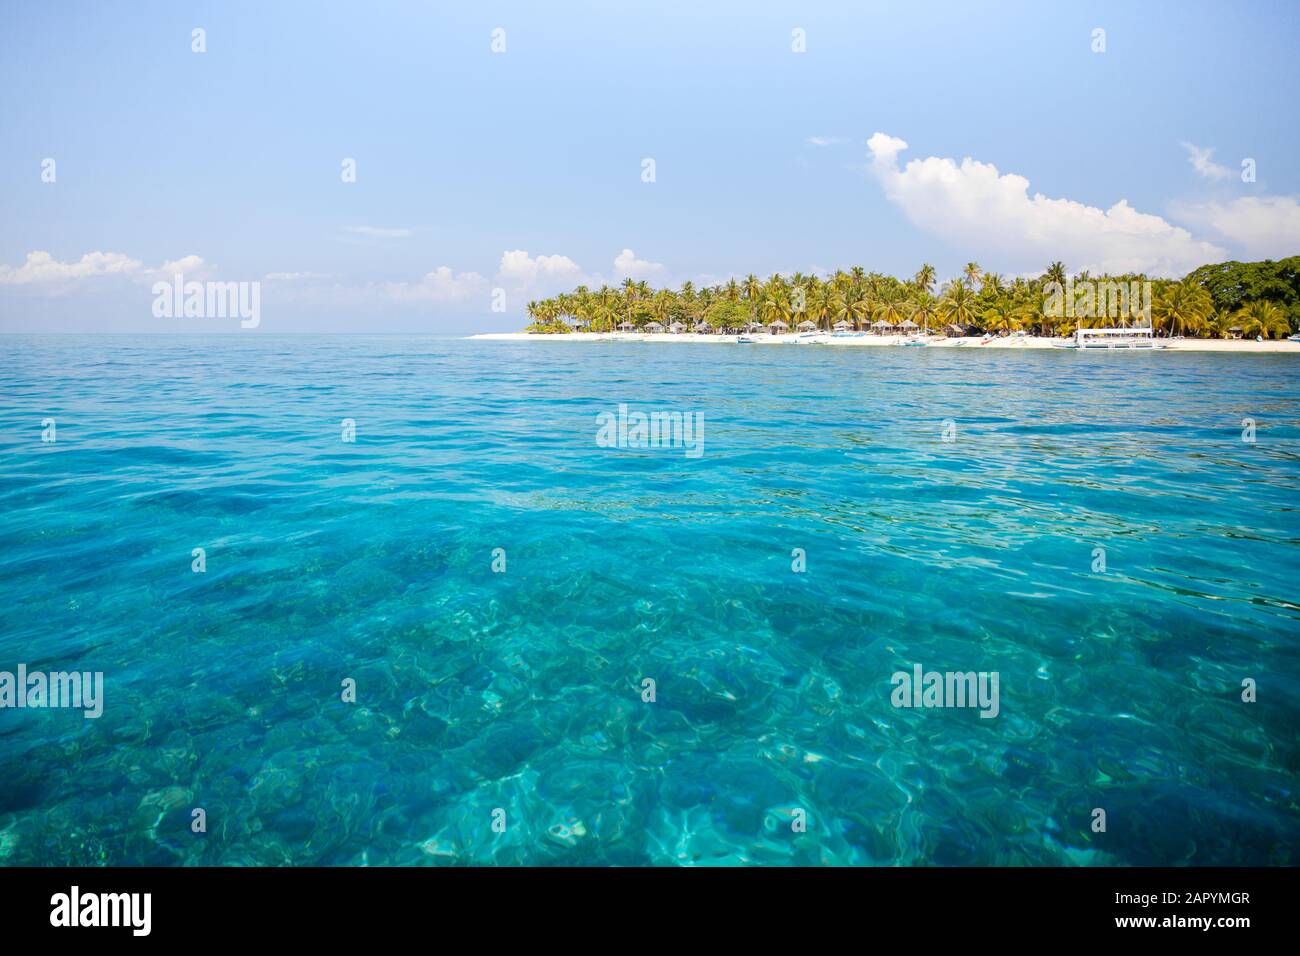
328 560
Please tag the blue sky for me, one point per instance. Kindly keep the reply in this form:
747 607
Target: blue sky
472 165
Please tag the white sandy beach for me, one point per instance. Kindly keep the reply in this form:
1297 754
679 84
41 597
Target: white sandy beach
974 342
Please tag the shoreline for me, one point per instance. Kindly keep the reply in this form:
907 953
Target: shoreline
1268 346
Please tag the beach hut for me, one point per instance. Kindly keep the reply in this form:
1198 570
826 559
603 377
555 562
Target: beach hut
753 327
909 325
1234 332
842 326
702 327
955 329
807 325
654 327
676 328
880 325
777 327
626 326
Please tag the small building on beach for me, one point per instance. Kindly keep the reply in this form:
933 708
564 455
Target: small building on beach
654 327
779 326
807 325
676 328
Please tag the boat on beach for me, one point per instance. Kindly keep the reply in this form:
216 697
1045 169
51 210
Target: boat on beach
1114 338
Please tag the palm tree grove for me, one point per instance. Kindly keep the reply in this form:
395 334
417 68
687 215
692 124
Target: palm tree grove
1230 299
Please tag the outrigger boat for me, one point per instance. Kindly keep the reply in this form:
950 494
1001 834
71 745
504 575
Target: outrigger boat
1135 338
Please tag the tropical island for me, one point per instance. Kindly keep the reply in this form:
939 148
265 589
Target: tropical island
1257 301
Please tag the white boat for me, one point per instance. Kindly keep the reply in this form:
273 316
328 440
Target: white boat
1093 339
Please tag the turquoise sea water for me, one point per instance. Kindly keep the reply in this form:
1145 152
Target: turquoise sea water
522 690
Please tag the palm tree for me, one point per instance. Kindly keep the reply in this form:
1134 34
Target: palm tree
1030 312
818 304
925 309
1055 273
991 284
958 304
924 278
893 310
1263 319
1182 307
775 303
1190 306
1001 316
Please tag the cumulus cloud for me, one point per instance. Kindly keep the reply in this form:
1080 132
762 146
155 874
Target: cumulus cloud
1199 157
519 267
627 265
993 215
45 273
41 268
191 267
521 274
1264 227
440 285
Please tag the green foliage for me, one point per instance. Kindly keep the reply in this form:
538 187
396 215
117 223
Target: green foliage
1262 298
1233 285
726 314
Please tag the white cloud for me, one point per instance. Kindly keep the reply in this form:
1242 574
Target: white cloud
1265 227
42 268
193 268
993 217
440 285
1199 157
43 271
824 140
626 264
518 266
